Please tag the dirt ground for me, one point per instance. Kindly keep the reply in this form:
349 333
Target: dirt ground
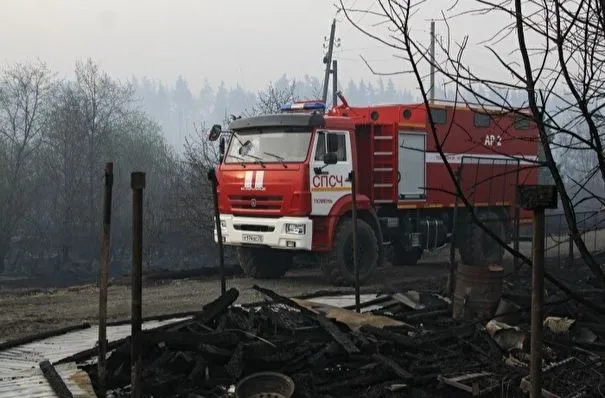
28 312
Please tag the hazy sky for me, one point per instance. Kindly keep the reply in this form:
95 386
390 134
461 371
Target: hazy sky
238 41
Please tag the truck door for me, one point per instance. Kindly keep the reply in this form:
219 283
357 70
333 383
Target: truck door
412 165
329 182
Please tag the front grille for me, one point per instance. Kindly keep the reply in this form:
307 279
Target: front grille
254 228
256 202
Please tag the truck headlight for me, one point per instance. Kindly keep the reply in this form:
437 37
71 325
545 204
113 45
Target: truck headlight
296 229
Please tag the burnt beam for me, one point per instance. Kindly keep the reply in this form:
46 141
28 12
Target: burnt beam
55 381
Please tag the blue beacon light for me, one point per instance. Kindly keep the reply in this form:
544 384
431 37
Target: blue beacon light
304 106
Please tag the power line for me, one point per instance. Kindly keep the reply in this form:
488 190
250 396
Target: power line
363 14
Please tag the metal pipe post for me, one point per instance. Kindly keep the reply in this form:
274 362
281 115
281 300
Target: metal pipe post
219 233
537 303
104 276
451 275
355 257
137 183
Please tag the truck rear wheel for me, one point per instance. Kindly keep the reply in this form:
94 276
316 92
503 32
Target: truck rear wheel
338 265
479 248
264 263
402 257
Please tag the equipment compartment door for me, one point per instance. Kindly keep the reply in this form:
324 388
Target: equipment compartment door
412 165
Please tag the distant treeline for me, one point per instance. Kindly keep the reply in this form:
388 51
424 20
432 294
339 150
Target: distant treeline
177 109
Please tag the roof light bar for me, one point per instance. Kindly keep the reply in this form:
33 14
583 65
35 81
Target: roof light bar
304 106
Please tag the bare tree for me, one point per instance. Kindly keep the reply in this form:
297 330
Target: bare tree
64 159
272 98
557 65
93 115
142 147
23 92
103 103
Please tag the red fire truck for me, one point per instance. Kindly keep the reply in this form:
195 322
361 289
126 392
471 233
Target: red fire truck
284 184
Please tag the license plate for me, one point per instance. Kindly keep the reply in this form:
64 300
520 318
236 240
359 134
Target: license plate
252 238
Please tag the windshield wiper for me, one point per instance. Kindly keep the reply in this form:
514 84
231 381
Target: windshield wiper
259 160
280 158
241 160
238 139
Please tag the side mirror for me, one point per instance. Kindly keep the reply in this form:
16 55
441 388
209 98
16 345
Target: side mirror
221 146
214 132
330 158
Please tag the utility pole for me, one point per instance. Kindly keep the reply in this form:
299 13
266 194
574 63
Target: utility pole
432 55
328 61
334 82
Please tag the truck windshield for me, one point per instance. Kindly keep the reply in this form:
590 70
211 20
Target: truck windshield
268 146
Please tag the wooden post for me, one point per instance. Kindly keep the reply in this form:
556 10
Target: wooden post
104 276
537 198
355 252
219 232
137 183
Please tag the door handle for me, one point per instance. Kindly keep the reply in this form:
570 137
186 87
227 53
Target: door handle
398 176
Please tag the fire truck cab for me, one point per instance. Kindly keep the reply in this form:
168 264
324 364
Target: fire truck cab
284 185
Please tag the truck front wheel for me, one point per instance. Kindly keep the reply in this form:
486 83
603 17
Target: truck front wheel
338 265
264 263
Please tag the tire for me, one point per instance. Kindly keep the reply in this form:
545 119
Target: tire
478 248
402 257
264 263
337 265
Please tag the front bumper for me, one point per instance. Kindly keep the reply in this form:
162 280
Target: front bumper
268 232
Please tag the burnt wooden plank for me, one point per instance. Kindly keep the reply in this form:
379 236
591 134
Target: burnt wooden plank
329 326
55 381
393 366
215 308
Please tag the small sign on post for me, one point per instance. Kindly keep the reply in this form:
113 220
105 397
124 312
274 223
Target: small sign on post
537 198
534 197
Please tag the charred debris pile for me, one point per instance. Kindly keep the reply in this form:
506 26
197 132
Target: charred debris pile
404 344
